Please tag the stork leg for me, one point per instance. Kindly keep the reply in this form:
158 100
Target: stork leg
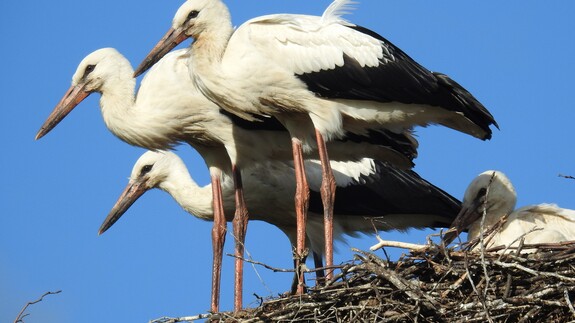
218 239
319 273
328 199
296 278
240 225
301 206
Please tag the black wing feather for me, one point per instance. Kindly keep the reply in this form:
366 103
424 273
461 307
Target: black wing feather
383 137
263 123
391 191
398 78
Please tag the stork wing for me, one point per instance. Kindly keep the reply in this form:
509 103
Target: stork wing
339 60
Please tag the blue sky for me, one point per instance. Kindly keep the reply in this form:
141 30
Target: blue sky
516 57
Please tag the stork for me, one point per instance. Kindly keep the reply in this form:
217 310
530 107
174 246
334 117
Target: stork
370 193
491 193
167 111
320 77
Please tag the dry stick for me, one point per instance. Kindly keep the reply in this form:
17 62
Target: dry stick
527 317
568 301
21 316
396 244
455 285
274 269
404 286
481 299
533 272
166 319
283 270
482 254
566 176
488 234
519 239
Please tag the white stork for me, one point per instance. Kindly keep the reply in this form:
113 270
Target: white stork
167 111
493 194
369 192
320 77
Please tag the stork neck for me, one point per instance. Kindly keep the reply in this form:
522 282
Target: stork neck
138 124
210 76
210 45
118 98
118 93
194 199
207 52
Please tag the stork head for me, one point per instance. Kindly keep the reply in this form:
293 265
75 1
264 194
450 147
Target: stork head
194 18
151 170
490 192
100 71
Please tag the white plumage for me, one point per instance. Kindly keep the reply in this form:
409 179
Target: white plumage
167 110
320 76
492 192
371 193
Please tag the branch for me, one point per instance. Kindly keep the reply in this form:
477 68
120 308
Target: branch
397 244
21 315
566 176
274 269
283 270
166 319
568 301
534 272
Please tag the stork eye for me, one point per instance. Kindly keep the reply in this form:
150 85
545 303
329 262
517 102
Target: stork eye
146 169
89 69
482 192
193 14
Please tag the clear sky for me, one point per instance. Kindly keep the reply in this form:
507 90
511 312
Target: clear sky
516 57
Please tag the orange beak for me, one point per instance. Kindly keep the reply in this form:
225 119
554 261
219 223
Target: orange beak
69 101
131 193
170 40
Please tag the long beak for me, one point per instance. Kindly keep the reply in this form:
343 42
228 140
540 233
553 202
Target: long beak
131 193
170 40
69 101
469 214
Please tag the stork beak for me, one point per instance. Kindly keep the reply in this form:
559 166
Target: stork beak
170 40
131 193
69 101
469 214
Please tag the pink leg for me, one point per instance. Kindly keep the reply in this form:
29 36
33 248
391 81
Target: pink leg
301 206
218 239
240 224
328 198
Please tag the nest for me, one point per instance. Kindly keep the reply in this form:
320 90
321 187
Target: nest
435 284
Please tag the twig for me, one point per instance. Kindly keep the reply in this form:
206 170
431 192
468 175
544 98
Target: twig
21 315
566 176
568 301
533 272
488 234
519 239
481 299
482 243
274 269
166 319
396 244
284 270
404 286
529 315
455 285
